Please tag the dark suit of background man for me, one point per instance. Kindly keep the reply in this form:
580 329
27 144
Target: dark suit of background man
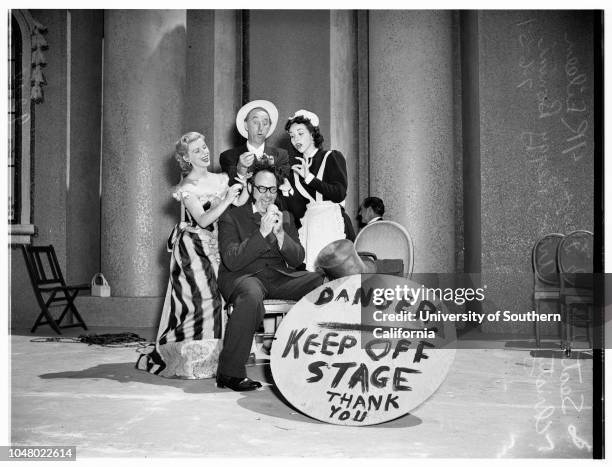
371 210
259 253
255 121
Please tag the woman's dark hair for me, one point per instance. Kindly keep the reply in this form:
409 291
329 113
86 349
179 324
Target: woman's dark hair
314 130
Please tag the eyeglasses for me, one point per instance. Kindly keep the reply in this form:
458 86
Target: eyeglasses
263 189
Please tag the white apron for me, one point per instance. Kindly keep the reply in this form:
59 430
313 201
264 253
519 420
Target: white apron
322 223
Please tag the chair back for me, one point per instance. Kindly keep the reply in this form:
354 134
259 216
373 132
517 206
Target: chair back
387 240
544 259
43 267
575 258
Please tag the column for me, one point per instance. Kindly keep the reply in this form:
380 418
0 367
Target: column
344 100
143 104
412 127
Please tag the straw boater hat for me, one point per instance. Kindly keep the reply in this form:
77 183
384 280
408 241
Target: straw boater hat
340 259
246 108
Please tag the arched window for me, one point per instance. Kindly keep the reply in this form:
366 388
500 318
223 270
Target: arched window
25 89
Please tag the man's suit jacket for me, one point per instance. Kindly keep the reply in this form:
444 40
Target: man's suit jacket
229 160
245 252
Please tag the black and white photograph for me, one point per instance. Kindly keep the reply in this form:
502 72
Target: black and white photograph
304 233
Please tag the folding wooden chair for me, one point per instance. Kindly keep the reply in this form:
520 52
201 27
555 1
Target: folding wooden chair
275 311
50 288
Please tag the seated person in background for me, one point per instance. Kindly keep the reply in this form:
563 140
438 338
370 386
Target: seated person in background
371 210
260 250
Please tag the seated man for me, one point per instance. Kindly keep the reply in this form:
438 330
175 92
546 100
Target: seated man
260 250
371 210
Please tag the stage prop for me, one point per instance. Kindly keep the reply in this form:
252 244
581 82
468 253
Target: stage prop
346 355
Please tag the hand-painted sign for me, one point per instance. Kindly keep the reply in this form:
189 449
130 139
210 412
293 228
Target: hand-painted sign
341 359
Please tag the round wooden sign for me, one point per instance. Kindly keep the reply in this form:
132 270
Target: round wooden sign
354 352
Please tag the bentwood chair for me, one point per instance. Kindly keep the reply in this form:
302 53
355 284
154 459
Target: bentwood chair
546 280
275 311
50 288
575 260
388 242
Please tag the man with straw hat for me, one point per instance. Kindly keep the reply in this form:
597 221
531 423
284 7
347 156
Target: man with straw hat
255 121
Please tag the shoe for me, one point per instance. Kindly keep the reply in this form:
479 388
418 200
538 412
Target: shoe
237 384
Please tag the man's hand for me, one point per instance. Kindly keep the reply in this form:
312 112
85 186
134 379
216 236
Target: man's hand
244 162
268 221
278 230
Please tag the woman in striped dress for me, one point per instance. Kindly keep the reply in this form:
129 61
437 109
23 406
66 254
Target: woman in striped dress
191 327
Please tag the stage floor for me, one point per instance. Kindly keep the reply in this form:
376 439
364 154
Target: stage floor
507 402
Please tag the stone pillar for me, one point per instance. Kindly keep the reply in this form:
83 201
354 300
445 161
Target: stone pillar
344 100
411 129
143 104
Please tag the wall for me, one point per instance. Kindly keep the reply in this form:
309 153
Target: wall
536 126
534 75
199 105
214 78
288 64
83 155
67 217
49 167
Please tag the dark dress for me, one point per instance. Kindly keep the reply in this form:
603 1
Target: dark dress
317 205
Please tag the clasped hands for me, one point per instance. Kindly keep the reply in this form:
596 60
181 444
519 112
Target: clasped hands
272 221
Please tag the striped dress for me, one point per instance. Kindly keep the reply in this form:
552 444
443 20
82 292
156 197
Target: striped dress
189 337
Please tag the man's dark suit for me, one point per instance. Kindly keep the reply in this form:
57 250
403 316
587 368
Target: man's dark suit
229 159
254 268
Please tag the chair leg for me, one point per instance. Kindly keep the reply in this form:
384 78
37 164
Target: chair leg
569 331
564 325
537 324
572 330
71 307
50 321
62 316
77 315
589 323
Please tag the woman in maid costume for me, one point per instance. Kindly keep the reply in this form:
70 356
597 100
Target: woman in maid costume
320 182
191 326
